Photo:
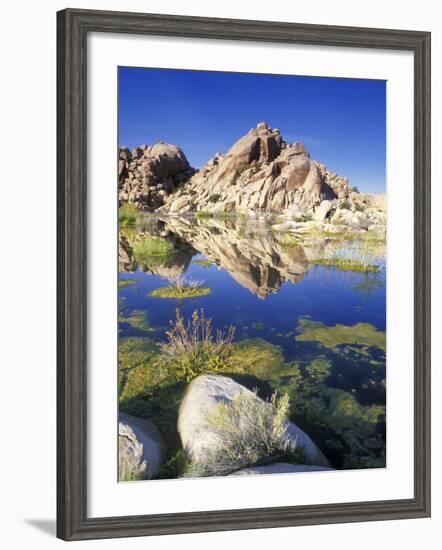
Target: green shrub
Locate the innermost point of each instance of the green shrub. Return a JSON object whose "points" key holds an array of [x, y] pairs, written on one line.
{"points": [[345, 205], [249, 432], [193, 348]]}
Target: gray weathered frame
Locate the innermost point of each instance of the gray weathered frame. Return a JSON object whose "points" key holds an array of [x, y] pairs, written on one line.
{"points": [[73, 27]]}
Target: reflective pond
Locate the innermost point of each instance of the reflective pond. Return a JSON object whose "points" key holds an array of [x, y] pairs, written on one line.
{"points": [[305, 312]]}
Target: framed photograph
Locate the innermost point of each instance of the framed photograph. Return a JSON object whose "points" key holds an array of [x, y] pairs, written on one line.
{"points": [[243, 274]]}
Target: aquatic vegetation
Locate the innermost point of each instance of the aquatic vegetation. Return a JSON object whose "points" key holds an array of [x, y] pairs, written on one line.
{"points": [[334, 375], [137, 366], [127, 215], [249, 432], [150, 247], [203, 263], [193, 348], [133, 351], [182, 287], [347, 264], [180, 293], [123, 283], [319, 369], [352, 435], [368, 284], [255, 356], [362, 334], [137, 319]]}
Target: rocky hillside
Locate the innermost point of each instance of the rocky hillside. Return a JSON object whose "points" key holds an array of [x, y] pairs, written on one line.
{"points": [[149, 174], [260, 173]]}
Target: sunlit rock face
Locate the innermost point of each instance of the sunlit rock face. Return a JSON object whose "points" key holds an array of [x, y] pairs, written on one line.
{"points": [[259, 173], [148, 174], [254, 258]]}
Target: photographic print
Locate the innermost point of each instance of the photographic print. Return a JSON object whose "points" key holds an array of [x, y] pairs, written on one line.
{"points": [[252, 271]]}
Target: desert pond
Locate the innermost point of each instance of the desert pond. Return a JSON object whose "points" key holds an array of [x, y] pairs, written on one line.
{"points": [[301, 313]]}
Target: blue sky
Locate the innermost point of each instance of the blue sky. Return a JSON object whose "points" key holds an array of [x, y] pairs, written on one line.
{"points": [[340, 121]]}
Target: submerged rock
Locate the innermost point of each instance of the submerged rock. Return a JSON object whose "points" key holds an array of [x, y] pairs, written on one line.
{"points": [[203, 394], [140, 448], [280, 468]]}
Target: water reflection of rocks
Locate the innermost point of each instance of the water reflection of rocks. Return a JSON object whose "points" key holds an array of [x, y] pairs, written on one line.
{"points": [[257, 258]]}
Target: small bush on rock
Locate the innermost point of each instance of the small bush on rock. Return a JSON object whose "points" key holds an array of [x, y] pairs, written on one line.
{"points": [[249, 432]]}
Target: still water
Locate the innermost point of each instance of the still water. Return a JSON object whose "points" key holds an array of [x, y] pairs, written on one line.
{"points": [[327, 322]]}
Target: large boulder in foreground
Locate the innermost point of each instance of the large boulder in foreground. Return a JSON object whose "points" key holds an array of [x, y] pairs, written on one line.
{"points": [[203, 394], [150, 173], [280, 468], [140, 448]]}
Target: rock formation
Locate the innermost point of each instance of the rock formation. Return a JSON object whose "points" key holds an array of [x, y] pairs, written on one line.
{"points": [[259, 173], [148, 174], [140, 448], [255, 259]]}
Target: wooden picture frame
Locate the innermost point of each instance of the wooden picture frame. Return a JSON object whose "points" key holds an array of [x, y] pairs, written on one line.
{"points": [[73, 27]]}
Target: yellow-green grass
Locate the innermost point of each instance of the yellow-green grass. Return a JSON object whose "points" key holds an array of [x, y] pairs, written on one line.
{"points": [[180, 293], [347, 264]]}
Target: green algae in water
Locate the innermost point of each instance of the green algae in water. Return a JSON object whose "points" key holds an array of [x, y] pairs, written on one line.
{"points": [[123, 283], [258, 326], [362, 334], [137, 319], [203, 263], [180, 293], [134, 351], [350, 434]]}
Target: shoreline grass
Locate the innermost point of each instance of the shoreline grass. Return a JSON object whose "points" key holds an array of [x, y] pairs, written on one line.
{"points": [[127, 215], [152, 247], [346, 264]]}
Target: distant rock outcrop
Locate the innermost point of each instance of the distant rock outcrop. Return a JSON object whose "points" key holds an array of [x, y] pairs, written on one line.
{"points": [[149, 174], [260, 173]]}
